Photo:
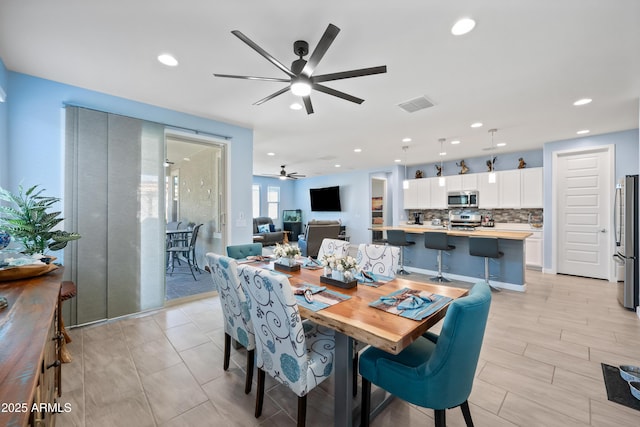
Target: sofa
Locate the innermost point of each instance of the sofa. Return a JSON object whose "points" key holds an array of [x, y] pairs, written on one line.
{"points": [[315, 231], [260, 234]]}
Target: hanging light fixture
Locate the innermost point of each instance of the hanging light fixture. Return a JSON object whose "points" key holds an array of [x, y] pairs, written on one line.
{"points": [[492, 172], [441, 180], [405, 183]]}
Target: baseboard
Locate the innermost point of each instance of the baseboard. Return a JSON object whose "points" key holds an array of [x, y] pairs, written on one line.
{"points": [[470, 279]]}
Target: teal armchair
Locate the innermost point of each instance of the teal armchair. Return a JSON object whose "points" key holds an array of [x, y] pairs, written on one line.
{"points": [[434, 371]]}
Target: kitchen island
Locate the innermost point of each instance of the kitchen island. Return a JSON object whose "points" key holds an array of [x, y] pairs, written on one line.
{"points": [[506, 272]]}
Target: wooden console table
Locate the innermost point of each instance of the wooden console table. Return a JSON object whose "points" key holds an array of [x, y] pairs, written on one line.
{"points": [[30, 368]]}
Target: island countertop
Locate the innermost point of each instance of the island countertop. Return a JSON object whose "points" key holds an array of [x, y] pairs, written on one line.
{"points": [[478, 232]]}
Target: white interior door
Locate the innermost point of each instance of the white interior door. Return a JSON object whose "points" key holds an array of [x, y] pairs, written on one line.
{"points": [[583, 189]]}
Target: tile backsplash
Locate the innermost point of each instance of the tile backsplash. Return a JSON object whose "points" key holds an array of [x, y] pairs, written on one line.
{"points": [[499, 215]]}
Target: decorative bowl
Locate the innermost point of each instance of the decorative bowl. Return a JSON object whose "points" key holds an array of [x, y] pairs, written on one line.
{"points": [[630, 373], [634, 386]]}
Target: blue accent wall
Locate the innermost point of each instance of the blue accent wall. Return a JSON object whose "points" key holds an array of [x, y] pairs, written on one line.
{"points": [[4, 129], [36, 134]]}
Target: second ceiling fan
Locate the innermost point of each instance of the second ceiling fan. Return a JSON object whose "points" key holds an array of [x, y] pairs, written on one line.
{"points": [[300, 76]]}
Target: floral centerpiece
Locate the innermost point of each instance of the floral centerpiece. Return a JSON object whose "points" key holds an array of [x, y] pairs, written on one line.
{"points": [[286, 253], [342, 268]]}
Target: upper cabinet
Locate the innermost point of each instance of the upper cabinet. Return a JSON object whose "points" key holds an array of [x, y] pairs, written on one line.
{"points": [[513, 189]]}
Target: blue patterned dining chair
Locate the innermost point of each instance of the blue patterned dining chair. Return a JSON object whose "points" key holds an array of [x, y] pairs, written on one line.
{"points": [[338, 248], [435, 371], [295, 353], [237, 322], [243, 251], [378, 259]]}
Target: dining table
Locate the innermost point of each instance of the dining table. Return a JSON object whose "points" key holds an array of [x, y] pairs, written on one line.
{"points": [[353, 319]]}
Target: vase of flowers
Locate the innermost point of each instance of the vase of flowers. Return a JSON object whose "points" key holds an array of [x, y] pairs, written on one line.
{"points": [[286, 254], [342, 268]]}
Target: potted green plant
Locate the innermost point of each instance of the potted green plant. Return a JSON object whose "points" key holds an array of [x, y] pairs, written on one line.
{"points": [[27, 219]]}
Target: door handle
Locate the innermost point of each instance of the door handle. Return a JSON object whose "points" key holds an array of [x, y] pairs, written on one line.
{"points": [[604, 230]]}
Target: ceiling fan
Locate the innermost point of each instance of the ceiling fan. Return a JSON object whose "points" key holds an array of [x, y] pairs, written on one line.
{"points": [[284, 175], [300, 76]]}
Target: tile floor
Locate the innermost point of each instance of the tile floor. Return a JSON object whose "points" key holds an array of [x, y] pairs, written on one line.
{"points": [[540, 366]]}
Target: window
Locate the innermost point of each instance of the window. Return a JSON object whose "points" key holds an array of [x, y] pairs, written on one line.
{"points": [[273, 202], [255, 200]]}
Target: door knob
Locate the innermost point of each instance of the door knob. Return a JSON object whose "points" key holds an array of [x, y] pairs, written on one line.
{"points": [[604, 230]]}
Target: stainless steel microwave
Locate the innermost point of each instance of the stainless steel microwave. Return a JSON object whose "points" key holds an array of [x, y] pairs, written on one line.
{"points": [[462, 199]]}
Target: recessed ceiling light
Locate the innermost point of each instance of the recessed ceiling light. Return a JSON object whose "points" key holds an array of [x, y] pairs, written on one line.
{"points": [[337, 166], [168, 60], [406, 139], [455, 141], [295, 106], [271, 154], [501, 144], [443, 153], [583, 101], [397, 160], [476, 125], [463, 26], [357, 150], [583, 131]]}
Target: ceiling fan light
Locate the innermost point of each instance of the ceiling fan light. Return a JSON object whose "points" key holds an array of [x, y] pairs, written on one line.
{"points": [[300, 88]]}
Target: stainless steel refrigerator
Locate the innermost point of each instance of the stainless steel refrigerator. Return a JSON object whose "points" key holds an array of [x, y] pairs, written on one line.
{"points": [[626, 231]]}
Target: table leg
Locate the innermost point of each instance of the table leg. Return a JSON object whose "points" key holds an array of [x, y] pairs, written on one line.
{"points": [[343, 386]]}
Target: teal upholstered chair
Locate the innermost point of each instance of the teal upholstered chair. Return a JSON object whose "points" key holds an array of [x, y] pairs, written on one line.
{"points": [[295, 353], [434, 371], [243, 251], [237, 322]]}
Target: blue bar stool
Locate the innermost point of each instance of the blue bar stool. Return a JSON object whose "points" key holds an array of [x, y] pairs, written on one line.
{"points": [[399, 238], [440, 242], [486, 247]]}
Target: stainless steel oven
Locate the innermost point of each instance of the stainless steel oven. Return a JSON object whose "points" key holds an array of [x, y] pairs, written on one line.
{"points": [[462, 199]]}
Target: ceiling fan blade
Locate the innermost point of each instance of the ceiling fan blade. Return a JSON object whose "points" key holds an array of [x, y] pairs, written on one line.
{"points": [[307, 104], [262, 52], [337, 93], [266, 79], [323, 45], [273, 95], [349, 74]]}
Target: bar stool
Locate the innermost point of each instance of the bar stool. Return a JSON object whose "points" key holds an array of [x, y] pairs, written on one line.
{"points": [[486, 247], [399, 238], [439, 241]]}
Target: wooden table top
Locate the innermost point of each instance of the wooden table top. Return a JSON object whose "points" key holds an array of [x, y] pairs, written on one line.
{"points": [[369, 325], [24, 327], [479, 232]]}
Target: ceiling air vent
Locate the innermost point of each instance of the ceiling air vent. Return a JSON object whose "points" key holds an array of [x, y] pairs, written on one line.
{"points": [[416, 104]]}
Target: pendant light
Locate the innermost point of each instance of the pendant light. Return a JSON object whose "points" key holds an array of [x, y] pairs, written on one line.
{"points": [[441, 180], [492, 173], [405, 183]]}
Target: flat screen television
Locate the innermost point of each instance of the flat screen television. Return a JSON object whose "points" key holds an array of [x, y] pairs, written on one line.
{"points": [[325, 199]]}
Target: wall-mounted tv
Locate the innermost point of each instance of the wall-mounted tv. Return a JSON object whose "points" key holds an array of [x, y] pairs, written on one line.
{"points": [[325, 199]]}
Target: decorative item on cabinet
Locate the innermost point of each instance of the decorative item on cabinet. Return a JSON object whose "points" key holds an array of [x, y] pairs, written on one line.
{"points": [[463, 167], [419, 174], [490, 164], [521, 163], [438, 170]]}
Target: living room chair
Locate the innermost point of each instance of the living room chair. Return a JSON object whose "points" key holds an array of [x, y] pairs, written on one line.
{"points": [[378, 259], [295, 353], [243, 251], [189, 252], [434, 371], [338, 248], [237, 322]]}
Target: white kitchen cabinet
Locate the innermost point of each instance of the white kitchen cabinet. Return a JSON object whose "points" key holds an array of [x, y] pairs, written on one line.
{"points": [[470, 181], [454, 182], [438, 194], [533, 249], [532, 185], [509, 184], [487, 192], [417, 196]]}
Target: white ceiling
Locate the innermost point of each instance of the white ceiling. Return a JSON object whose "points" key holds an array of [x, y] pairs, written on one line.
{"points": [[519, 71]]}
